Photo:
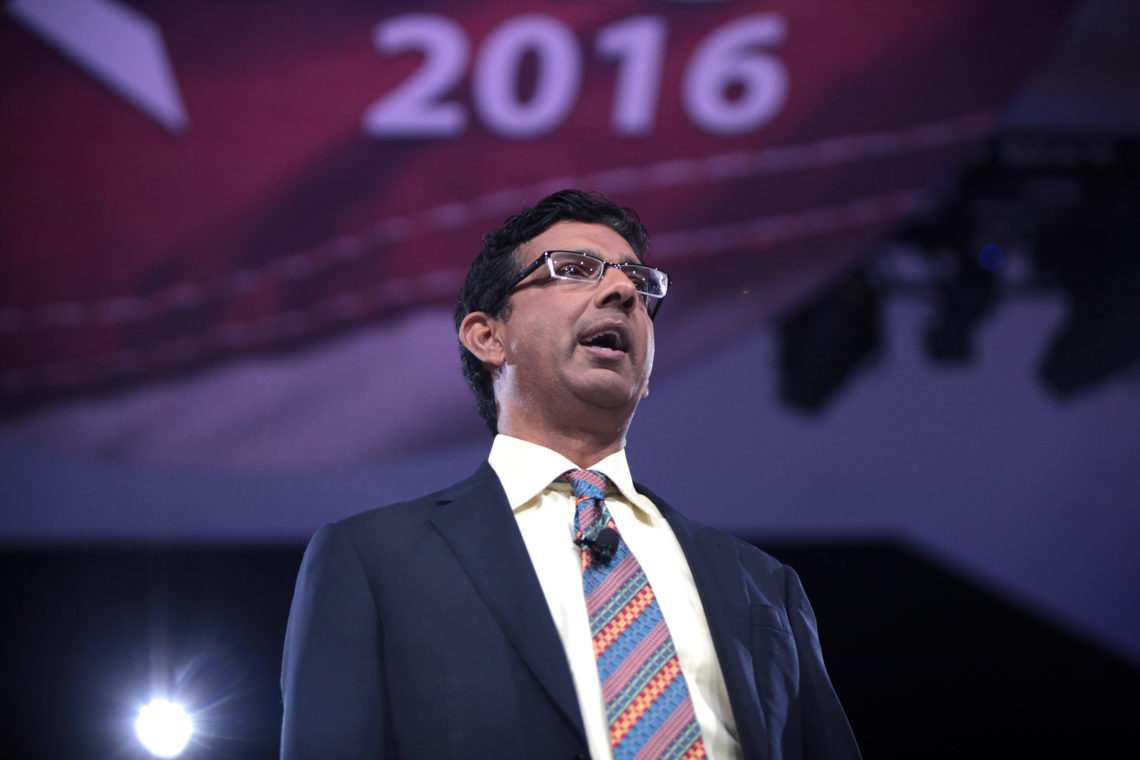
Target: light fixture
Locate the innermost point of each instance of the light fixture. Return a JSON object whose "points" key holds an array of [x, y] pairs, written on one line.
{"points": [[164, 728]]}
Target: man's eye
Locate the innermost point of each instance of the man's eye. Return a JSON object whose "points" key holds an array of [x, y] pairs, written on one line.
{"points": [[572, 270], [640, 281]]}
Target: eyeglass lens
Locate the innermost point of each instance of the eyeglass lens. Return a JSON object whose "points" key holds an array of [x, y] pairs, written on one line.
{"points": [[581, 266]]}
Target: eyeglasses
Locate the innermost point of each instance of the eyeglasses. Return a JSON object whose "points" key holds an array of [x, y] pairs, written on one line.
{"points": [[650, 283]]}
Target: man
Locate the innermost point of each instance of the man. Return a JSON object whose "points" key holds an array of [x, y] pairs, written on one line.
{"points": [[546, 607]]}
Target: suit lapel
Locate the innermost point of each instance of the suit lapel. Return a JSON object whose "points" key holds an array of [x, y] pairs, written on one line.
{"points": [[715, 563], [475, 520]]}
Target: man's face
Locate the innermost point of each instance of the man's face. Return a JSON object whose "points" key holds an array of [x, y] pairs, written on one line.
{"points": [[572, 348]]}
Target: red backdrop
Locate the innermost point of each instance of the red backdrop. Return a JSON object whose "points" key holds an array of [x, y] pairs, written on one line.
{"points": [[334, 164]]}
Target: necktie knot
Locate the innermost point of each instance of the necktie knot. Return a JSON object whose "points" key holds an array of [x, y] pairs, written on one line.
{"points": [[594, 531], [587, 484]]}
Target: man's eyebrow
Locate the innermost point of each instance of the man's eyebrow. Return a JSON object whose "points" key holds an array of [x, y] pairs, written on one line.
{"points": [[631, 259]]}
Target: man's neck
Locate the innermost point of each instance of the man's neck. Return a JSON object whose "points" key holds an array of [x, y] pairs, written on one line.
{"points": [[584, 447]]}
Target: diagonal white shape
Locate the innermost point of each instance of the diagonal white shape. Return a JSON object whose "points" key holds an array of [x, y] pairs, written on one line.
{"points": [[118, 46]]}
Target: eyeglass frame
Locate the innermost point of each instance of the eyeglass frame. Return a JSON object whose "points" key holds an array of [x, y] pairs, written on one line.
{"points": [[651, 306]]}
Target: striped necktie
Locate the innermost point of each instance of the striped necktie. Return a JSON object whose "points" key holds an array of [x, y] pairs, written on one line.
{"points": [[647, 702]]}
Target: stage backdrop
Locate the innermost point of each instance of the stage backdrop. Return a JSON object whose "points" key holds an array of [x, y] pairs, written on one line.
{"points": [[188, 184], [231, 235]]}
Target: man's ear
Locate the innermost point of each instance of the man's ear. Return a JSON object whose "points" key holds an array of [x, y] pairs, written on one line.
{"points": [[645, 391], [480, 334]]}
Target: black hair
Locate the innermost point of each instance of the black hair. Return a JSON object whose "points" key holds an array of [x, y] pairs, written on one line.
{"points": [[485, 288]]}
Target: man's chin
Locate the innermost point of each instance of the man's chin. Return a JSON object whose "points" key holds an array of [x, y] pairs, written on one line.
{"points": [[610, 390]]}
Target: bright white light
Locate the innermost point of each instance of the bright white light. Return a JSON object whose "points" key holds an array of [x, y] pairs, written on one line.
{"points": [[164, 728]]}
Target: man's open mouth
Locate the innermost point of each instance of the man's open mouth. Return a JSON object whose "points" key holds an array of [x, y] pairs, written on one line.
{"points": [[607, 339], [612, 339]]}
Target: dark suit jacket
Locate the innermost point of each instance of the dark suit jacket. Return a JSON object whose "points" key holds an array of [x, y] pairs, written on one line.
{"points": [[419, 630]]}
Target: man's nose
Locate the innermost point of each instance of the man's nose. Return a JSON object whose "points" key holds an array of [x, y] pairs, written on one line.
{"points": [[617, 287]]}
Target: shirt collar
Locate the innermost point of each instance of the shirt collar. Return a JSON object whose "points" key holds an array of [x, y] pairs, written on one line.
{"points": [[526, 469]]}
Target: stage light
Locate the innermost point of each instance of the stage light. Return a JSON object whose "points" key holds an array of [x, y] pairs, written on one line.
{"points": [[1100, 335], [823, 342], [964, 298], [164, 728]]}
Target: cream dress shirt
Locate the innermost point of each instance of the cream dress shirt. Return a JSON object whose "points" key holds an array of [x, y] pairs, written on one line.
{"points": [[545, 514]]}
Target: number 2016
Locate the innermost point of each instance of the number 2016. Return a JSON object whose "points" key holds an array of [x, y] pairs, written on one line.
{"points": [[730, 86]]}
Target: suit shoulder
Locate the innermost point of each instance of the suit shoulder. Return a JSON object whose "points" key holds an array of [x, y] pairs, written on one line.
{"points": [[756, 561], [406, 515], [387, 515], [750, 552], [753, 558]]}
